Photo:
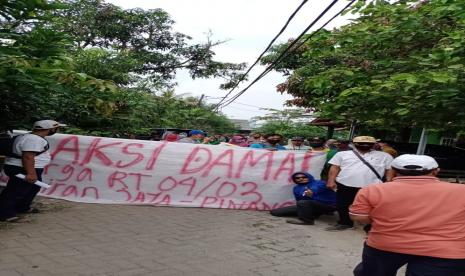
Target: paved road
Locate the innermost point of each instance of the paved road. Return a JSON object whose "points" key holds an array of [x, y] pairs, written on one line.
{"points": [[90, 239]]}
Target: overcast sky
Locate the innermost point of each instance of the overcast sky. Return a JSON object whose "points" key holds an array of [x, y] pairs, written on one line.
{"points": [[248, 26]]}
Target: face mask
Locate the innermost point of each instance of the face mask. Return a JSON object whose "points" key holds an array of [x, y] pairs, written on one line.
{"points": [[316, 145], [51, 132], [300, 183], [363, 147]]}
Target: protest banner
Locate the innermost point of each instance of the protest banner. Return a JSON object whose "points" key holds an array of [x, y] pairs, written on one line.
{"points": [[121, 171]]}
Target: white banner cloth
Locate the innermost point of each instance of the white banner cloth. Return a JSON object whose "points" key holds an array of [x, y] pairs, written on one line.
{"points": [[121, 171]]}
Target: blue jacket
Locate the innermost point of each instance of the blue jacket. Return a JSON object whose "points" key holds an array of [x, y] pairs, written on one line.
{"points": [[320, 192]]}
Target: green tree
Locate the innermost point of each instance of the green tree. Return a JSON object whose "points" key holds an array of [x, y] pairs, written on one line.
{"points": [[292, 130], [399, 64], [36, 74], [137, 44], [291, 123], [47, 72], [139, 112]]}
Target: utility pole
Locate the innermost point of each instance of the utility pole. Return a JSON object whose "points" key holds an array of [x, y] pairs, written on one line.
{"points": [[352, 130], [423, 141]]}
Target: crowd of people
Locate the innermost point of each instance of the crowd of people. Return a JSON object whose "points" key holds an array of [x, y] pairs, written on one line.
{"points": [[272, 142], [410, 216]]}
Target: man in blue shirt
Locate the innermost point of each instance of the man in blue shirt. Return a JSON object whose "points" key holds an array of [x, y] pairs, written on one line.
{"points": [[272, 143]]}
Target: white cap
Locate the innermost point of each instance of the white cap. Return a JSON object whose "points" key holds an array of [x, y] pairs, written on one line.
{"points": [[423, 162], [47, 124]]}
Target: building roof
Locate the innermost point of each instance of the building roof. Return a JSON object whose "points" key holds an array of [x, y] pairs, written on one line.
{"points": [[326, 122], [241, 124]]}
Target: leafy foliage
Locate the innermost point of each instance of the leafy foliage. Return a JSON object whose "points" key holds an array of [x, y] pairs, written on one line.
{"points": [[289, 130], [36, 75], [95, 67], [137, 42], [291, 123], [398, 64]]}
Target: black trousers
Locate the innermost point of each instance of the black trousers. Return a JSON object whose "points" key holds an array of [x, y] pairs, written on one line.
{"points": [[384, 263], [306, 210], [345, 197], [18, 194], [288, 211]]}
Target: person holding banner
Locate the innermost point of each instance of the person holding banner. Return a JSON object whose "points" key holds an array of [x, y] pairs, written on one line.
{"points": [[237, 140], [195, 136], [32, 156], [171, 137], [317, 144], [313, 199], [272, 143], [297, 144], [255, 138]]}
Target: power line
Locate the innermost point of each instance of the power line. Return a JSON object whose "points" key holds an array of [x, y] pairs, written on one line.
{"points": [[249, 110], [288, 48], [286, 51], [256, 106], [263, 53], [261, 107]]}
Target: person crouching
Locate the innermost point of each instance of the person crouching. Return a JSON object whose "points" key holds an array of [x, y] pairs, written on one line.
{"points": [[313, 199]]}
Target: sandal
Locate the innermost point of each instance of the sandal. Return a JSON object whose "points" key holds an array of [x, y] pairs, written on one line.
{"points": [[10, 219]]}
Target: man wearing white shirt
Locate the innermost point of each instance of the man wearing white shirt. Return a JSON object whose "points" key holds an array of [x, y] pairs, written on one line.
{"points": [[348, 174], [31, 156]]}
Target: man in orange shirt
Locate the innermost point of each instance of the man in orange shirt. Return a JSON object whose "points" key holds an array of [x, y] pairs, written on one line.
{"points": [[416, 220]]}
